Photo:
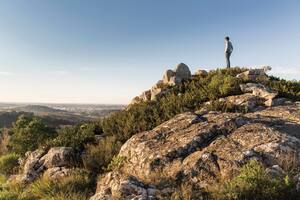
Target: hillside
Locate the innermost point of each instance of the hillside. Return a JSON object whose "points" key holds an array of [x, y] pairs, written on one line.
{"points": [[223, 134], [55, 115]]}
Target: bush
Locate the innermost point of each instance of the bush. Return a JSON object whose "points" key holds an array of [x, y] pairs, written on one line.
{"points": [[9, 164], [116, 163], [254, 183], [28, 133], [76, 186], [225, 106], [8, 195], [287, 89], [97, 157], [75, 136], [4, 140]]}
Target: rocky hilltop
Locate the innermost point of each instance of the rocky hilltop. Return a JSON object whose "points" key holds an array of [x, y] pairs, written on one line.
{"points": [[220, 134], [201, 148]]}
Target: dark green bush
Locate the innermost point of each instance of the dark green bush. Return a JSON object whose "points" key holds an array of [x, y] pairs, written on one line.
{"points": [[287, 89], [254, 183], [98, 156], [9, 163], [28, 133], [75, 136]]}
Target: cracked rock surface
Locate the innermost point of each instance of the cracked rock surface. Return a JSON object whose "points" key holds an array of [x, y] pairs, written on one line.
{"points": [[202, 149]]}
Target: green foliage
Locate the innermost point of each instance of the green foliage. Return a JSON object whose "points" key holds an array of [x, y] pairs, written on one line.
{"points": [[116, 163], [254, 183], [225, 106], [98, 156], [75, 136], [28, 133], [8, 195], [287, 89], [222, 85], [4, 140], [9, 163], [76, 186]]}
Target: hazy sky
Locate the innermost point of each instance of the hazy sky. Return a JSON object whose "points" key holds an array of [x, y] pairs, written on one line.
{"points": [[108, 51]]}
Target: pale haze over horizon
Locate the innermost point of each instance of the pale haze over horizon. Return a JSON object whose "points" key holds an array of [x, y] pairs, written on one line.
{"points": [[108, 51]]}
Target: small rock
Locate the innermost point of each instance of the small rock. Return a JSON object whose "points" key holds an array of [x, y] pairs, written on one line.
{"points": [[202, 73]]}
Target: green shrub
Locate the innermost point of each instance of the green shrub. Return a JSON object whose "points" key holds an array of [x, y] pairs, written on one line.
{"points": [[8, 195], [116, 163], [225, 106], [4, 140], [222, 85], [75, 136], [254, 183], [287, 89], [97, 157], [9, 164], [77, 186], [28, 133]]}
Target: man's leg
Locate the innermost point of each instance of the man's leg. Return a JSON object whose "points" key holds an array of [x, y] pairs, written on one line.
{"points": [[228, 59]]}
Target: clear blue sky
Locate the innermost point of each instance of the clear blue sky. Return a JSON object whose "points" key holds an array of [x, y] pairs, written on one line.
{"points": [[108, 51]]}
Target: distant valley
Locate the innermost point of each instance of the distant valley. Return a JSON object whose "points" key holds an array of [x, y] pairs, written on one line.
{"points": [[55, 114]]}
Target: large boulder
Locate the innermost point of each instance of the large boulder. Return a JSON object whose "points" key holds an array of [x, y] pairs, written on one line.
{"points": [[182, 71], [176, 76], [58, 157], [202, 148], [55, 161], [33, 166]]}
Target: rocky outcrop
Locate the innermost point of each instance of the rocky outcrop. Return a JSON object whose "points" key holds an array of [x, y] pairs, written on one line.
{"points": [[255, 74], [170, 78], [260, 91], [247, 101], [55, 162], [201, 148]]}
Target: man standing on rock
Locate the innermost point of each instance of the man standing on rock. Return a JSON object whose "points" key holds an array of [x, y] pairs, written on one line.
{"points": [[228, 50]]}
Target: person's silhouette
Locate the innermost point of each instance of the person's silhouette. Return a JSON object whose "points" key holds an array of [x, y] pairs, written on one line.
{"points": [[228, 50]]}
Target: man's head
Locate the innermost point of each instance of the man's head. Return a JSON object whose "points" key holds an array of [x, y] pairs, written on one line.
{"points": [[227, 38]]}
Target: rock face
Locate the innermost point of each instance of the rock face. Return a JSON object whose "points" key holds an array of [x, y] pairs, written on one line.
{"points": [[201, 148], [54, 162], [255, 74], [249, 101], [170, 78], [261, 91]]}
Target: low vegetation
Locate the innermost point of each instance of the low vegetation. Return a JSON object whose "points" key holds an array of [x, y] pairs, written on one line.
{"points": [[77, 186], [9, 164], [254, 183]]}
